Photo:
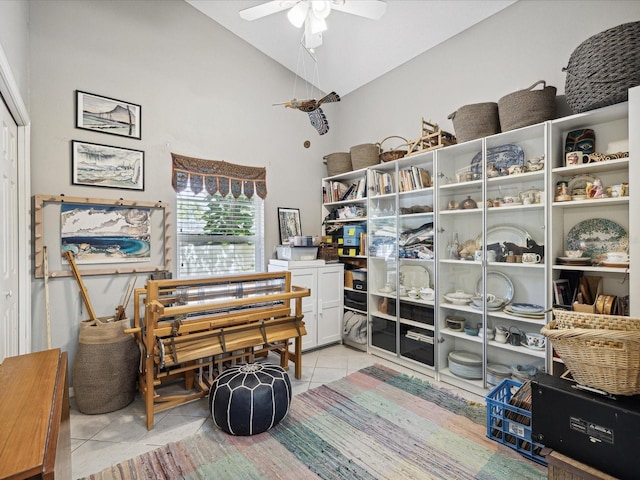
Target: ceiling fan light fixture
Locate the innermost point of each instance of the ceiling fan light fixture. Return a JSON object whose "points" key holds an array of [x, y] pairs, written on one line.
{"points": [[321, 8], [298, 13], [316, 25]]}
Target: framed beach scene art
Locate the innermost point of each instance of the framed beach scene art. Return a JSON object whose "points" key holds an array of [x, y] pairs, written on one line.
{"points": [[108, 115], [105, 234], [104, 166]]}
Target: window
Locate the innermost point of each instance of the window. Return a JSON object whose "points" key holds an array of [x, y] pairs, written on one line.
{"points": [[219, 235]]}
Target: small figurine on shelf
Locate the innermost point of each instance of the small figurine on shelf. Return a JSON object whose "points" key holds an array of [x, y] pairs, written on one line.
{"points": [[595, 189]]}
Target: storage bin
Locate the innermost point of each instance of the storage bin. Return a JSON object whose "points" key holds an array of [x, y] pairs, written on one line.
{"points": [[417, 344], [509, 424], [286, 252], [353, 235]]}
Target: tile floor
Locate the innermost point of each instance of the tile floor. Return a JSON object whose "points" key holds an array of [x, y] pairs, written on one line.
{"points": [[98, 441]]}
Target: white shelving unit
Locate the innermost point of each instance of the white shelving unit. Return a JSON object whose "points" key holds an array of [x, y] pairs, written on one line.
{"points": [[465, 173], [354, 213]]}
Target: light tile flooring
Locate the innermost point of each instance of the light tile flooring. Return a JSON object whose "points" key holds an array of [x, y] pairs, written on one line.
{"points": [[98, 441]]}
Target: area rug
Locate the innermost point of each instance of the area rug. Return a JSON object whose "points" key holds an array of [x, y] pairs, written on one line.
{"points": [[373, 424]]}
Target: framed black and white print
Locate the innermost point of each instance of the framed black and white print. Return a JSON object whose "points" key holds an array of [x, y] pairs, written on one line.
{"points": [[105, 166], [108, 115], [289, 220], [562, 292]]}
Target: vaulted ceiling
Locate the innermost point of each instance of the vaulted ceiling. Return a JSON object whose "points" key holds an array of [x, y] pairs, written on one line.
{"points": [[355, 50]]}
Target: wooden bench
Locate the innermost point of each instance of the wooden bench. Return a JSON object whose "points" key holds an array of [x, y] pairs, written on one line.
{"points": [[189, 330]]}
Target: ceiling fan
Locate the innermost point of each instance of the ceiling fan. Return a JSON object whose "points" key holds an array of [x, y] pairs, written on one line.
{"points": [[313, 13]]}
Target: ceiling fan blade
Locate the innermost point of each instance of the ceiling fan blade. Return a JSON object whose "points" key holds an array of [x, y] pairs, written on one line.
{"points": [[373, 9], [267, 8]]}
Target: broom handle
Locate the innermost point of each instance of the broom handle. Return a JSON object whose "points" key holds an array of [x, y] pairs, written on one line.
{"points": [[83, 289], [47, 310]]}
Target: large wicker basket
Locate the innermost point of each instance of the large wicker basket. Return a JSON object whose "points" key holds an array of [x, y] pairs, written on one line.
{"points": [[600, 351], [603, 68], [365, 155], [338, 163], [527, 107], [475, 121], [395, 153]]}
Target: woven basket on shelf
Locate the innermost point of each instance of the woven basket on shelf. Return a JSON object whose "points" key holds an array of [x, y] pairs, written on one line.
{"points": [[600, 351], [603, 68], [364, 155], [394, 154], [338, 163], [527, 107], [475, 121]]}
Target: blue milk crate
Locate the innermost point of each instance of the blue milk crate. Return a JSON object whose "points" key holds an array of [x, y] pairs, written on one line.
{"points": [[511, 425]]}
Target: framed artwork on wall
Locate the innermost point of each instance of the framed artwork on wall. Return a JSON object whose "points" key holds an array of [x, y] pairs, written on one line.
{"points": [[108, 115], [289, 219], [98, 165]]}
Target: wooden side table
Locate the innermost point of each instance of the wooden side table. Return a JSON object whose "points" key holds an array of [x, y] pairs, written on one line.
{"points": [[35, 434]]}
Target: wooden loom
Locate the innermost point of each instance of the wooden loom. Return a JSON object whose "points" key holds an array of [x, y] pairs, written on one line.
{"points": [[192, 328]]}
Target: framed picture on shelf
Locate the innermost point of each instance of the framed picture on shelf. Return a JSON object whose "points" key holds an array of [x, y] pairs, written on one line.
{"points": [[108, 115], [98, 165], [289, 220], [562, 292]]}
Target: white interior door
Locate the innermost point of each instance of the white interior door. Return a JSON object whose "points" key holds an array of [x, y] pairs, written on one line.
{"points": [[9, 277]]}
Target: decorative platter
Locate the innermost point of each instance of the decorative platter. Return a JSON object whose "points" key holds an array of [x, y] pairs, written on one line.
{"points": [[579, 181], [536, 316], [498, 284], [597, 236], [506, 233], [503, 156], [414, 276]]}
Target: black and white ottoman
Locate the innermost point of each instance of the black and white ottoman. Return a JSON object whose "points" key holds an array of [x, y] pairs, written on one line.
{"points": [[250, 398]]}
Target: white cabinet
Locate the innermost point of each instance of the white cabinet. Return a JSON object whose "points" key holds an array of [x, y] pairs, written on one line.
{"points": [[401, 260], [488, 215], [322, 310]]}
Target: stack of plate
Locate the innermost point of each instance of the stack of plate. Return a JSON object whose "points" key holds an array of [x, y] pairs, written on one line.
{"points": [[580, 261], [528, 310], [465, 364], [497, 372]]}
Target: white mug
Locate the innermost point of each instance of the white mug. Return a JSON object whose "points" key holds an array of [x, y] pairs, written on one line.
{"points": [[491, 255], [531, 257]]}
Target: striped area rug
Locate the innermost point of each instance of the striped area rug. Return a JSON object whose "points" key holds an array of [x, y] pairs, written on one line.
{"points": [[372, 424]]}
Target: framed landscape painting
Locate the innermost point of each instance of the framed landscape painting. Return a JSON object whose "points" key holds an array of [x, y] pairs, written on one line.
{"points": [[104, 166], [108, 115]]}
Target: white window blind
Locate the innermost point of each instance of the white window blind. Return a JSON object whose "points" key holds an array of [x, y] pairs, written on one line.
{"points": [[218, 236]]}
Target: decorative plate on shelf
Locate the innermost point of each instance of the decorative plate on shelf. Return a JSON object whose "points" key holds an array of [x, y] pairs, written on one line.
{"points": [[414, 276], [580, 181], [597, 236], [498, 284], [505, 233], [502, 156]]}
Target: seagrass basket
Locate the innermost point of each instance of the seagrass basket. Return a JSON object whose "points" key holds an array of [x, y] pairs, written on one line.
{"points": [[365, 155], [527, 107], [603, 68], [393, 154], [600, 351], [475, 121], [338, 163]]}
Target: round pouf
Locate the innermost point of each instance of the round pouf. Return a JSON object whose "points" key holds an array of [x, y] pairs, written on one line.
{"points": [[250, 399]]}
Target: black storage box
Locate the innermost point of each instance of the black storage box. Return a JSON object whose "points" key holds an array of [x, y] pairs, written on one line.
{"points": [[355, 300], [410, 311], [416, 344], [598, 430]]}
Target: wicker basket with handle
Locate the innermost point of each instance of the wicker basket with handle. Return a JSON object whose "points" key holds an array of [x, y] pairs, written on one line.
{"points": [[394, 154], [600, 351], [475, 121], [527, 107]]}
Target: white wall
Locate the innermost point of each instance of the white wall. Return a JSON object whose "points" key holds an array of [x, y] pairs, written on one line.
{"points": [[14, 39], [528, 41], [206, 93]]}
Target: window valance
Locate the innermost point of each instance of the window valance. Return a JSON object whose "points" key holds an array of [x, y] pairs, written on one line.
{"points": [[217, 176]]}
